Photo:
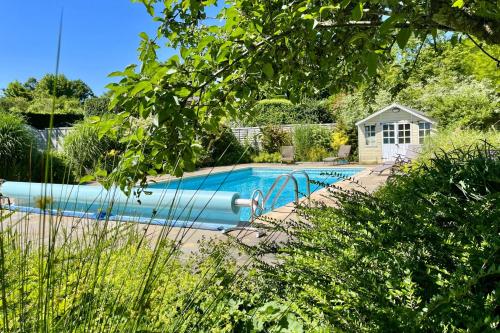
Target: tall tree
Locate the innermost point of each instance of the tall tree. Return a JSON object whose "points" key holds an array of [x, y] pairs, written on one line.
{"points": [[17, 89], [36, 96], [60, 85], [301, 47]]}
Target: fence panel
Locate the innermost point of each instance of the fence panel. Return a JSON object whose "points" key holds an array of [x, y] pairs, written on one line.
{"points": [[248, 135], [251, 135], [57, 137]]}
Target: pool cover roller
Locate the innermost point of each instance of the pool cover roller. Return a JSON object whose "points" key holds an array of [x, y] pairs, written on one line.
{"points": [[170, 205]]}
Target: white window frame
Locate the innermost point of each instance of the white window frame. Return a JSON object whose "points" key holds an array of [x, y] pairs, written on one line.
{"points": [[404, 135], [370, 135], [424, 130], [387, 130]]}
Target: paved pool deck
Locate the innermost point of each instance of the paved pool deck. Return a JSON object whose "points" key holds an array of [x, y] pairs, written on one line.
{"points": [[187, 239]]}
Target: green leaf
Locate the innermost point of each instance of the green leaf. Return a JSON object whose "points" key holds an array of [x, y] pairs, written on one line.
{"points": [[115, 74], [143, 86], [237, 32], [357, 12], [152, 172], [258, 27], [330, 7], [371, 59], [458, 3], [182, 92], [101, 173], [268, 70], [388, 24], [358, 35], [86, 179], [185, 52], [204, 42], [144, 36], [150, 9], [403, 37]]}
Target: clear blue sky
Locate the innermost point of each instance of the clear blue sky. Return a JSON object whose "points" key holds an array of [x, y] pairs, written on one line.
{"points": [[99, 37]]}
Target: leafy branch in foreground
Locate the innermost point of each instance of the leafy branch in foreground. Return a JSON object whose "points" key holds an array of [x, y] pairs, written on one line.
{"points": [[299, 48]]}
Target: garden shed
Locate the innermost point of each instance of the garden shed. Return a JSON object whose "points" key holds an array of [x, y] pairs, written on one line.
{"points": [[387, 133]]}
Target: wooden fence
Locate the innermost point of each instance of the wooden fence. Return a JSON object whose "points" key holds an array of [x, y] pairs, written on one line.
{"points": [[250, 135], [57, 137]]}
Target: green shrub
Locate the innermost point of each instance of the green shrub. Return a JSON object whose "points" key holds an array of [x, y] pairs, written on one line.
{"points": [[63, 105], [96, 106], [14, 104], [264, 157], [455, 102], [271, 114], [421, 254], [280, 111], [60, 169], [317, 154], [86, 152], [450, 139], [306, 137], [273, 137], [18, 147], [111, 280], [223, 149], [338, 138], [312, 111], [20, 158]]}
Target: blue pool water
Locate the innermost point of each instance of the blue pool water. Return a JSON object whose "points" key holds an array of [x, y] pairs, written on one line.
{"points": [[245, 181]]}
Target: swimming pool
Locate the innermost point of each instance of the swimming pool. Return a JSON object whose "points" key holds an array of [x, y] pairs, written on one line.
{"points": [[245, 181], [211, 201]]}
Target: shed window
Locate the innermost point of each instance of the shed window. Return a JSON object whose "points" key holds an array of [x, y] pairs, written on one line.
{"points": [[370, 135], [388, 133], [404, 135], [424, 130]]}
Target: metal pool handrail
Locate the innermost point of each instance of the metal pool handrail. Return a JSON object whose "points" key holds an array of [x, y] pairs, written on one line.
{"points": [[254, 204], [308, 182], [288, 176]]}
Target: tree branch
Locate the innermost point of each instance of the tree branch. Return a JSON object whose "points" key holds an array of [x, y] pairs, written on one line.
{"points": [[484, 51], [376, 24], [457, 19]]}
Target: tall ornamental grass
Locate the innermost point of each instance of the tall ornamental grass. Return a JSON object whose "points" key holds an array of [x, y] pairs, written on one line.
{"points": [[17, 147], [86, 150], [307, 137], [99, 276]]}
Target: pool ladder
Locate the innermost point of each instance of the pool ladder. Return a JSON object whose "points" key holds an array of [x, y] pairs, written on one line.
{"points": [[258, 201]]}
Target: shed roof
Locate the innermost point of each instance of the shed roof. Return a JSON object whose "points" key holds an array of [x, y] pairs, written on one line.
{"points": [[411, 111]]}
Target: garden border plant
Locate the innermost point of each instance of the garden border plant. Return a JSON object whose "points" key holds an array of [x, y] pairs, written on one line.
{"points": [[420, 254]]}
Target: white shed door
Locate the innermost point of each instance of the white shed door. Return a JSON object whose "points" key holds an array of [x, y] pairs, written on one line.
{"points": [[395, 140]]}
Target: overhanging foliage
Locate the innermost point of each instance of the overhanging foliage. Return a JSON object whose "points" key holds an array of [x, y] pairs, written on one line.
{"points": [[301, 48]]}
